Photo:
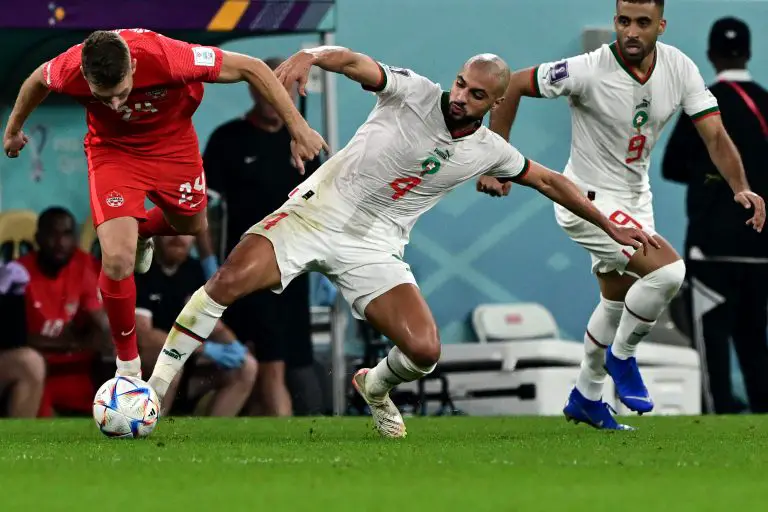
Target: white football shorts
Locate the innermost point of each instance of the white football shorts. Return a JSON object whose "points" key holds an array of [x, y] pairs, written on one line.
{"points": [[606, 254], [362, 268]]}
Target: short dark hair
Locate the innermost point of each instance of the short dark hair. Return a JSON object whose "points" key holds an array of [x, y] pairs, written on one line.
{"points": [[105, 59], [46, 219]]}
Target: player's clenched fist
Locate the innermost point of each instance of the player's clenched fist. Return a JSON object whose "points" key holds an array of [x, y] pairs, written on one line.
{"points": [[493, 187], [13, 143]]}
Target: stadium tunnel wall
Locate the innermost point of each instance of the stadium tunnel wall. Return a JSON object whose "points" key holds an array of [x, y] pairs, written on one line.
{"points": [[470, 249]]}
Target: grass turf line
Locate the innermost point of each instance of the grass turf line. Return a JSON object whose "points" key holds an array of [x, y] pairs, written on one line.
{"points": [[472, 464]]}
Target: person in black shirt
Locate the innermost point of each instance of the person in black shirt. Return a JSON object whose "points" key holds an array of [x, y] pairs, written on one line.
{"points": [[727, 260], [160, 294], [248, 161]]}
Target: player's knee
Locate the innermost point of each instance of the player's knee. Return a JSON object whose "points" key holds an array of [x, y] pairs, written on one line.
{"points": [[227, 285], [425, 347], [119, 264], [669, 278], [30, 366]]}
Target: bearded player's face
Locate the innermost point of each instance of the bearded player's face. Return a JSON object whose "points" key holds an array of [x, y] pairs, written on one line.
{"points": [[472, 95], [115, 97], [638, 26]]}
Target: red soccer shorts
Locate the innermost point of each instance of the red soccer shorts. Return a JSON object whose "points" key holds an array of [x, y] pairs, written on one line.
{"points": [[68, 385], [119, 183]]}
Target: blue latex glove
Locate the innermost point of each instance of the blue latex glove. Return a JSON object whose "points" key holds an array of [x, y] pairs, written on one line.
{"points": [[228, 355], [210, 265]]}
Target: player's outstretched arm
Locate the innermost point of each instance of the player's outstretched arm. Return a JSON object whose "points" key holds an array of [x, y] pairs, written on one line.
{"points": [[563, 191], [337, 59], [236, 67], [503, 116], [727, 159], [33, 91]]}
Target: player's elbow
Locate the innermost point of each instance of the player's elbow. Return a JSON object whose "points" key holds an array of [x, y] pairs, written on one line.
{"points": [[538, 178], [254, 67]]}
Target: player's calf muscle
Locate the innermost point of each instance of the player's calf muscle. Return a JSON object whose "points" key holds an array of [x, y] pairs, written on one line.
{"points": [[403, 316]]}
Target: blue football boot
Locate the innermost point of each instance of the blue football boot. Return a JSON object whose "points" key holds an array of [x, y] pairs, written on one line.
{"points": [[596, 413], [629, 384]]}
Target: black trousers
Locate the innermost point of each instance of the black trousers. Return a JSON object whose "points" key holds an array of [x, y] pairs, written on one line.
{"points": [[729, 302]]}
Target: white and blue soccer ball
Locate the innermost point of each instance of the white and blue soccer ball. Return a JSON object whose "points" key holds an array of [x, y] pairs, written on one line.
{"points": [[126, 407]]}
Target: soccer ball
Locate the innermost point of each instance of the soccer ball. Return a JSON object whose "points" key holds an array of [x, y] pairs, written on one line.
{"points": [[126, 407]]}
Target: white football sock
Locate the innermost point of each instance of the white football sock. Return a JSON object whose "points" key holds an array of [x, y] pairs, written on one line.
{"points": [[601, 330], [129, 368], [394, 369], [644, 303], [193, 326]]}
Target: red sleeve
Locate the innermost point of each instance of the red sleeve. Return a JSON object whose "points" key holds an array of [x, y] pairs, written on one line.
{"points": [[89, 293], [62, 73], [191, 62]]}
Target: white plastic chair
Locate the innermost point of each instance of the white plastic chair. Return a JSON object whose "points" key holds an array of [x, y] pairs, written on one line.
{"points": [[513, 322]]}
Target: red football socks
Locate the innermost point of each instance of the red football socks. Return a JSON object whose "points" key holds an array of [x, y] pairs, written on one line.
{"points": [[119, 299], [155, 225]]}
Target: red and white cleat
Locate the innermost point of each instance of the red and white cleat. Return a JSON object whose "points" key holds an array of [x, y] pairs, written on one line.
{"points": [[386, 416]]}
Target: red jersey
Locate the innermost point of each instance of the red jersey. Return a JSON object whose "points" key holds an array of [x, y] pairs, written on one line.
{"points": [[52, 303], [156, 120]]}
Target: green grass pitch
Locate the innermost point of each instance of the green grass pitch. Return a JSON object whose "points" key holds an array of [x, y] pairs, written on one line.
{"points": [[464, 464]]}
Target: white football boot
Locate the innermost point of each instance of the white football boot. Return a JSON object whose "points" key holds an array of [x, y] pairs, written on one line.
{"points": [[385, 414], [145, 249]]}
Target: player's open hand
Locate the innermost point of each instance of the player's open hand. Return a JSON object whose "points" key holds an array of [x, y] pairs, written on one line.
{"points": [[634, 237], [295, 70], [493, 186], [749, 199], [306, 145], [13, 143]]}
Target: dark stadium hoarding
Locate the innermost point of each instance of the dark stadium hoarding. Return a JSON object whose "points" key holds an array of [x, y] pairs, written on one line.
{"points": [[38, 30], [259, 16]]}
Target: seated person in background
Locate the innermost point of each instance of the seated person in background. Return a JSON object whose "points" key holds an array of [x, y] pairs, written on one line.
{"points": [[66, 322], [22, 369], [161, 293]]}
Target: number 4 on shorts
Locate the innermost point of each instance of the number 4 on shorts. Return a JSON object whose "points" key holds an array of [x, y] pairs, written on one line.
{"points": [[274, 219]]}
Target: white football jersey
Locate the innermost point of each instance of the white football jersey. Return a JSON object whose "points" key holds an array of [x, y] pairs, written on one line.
{"points": [[616, 116], [402, 161]]}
